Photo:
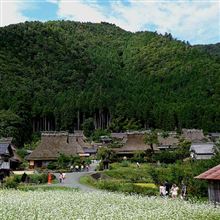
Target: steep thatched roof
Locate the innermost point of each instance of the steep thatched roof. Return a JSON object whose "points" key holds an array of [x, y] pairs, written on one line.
{"points": [[135, 142], [53, 144], [193, 135], [171, 140]]}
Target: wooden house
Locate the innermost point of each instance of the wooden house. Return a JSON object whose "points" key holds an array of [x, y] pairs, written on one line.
{"points": [[213, 178], [202, 151], [6, 153], [134, 142], [10, 153]]}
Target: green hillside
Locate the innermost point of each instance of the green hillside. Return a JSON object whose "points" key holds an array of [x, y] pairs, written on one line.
{"points": [[54, 75]]}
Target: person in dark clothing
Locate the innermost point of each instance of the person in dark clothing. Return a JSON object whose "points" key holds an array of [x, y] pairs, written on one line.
{"points": [[183, 190], [24, 177], [167, 187]]}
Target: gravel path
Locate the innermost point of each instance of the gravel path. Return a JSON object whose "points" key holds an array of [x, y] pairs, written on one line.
{"points": [[72, 180]]}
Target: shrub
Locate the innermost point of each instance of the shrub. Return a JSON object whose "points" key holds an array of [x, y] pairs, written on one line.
{"points": [[125, 163], [52, 165], [10, 182], [38, 178]]}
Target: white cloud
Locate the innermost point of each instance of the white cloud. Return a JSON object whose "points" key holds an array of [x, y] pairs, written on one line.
{"points": [[11, 12], [52, 1], [189, 20], [79, 10]]}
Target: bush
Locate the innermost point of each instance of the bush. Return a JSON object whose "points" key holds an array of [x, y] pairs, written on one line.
{"points": [[38, 178], [52, 165], [125, 163], [10, 182]]}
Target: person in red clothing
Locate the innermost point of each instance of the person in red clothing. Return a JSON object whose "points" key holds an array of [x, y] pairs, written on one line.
{"points": [[49, 178]]}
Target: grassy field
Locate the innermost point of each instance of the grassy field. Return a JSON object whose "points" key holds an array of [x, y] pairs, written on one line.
{"points": [[63, 204]]}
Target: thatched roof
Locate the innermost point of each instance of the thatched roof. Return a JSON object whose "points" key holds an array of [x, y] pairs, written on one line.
{"points": [[135, 142], [171, 140], [53, 144], [193, 135]]}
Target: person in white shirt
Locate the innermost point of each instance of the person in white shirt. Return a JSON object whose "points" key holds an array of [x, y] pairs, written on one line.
{"points": [[174, 191]]}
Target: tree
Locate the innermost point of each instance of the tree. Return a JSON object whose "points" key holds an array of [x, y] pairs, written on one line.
{"points": [[151, 138], [88, 127], [10, 124]]}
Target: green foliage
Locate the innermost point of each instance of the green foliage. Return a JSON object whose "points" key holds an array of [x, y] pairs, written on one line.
{"points": [[65, 162], [22, 152], [88, 127], [98, 133], [105, 153], [97, 72], [38, 178], [125, 163], [10, 124], [52, 165], [120, 124], [139, 156], [151, 139], [10, 182]]}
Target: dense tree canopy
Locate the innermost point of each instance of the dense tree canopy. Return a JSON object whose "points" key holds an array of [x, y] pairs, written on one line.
{"points": [[54, 75]]}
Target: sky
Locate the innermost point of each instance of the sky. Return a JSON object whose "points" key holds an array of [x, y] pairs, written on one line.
{"points": [[196, 21]]}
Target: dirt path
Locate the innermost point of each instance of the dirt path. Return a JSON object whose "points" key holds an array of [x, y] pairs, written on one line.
{"points": [[72, 180]]}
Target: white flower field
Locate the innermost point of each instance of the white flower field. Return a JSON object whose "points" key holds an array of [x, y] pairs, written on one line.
{"points": [[59, 205]]}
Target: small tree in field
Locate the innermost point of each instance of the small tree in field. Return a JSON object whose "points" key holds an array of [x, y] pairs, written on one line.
{"points": [[151, 139]]}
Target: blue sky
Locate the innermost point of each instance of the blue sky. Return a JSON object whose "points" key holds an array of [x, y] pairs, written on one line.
{"points": [[196, 21]]}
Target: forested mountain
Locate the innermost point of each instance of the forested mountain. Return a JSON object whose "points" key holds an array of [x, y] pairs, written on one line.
{"points": [[54, 75], [212, 49]]}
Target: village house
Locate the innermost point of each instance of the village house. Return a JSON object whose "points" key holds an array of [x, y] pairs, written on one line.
{"points": [[214, 136], [134, 142], [194, 135], [8, 157], [168, 143], [53, 144], [213, 177], [202, 151]]}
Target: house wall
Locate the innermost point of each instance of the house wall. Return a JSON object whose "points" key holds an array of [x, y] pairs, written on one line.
{"points": [[214, 191], [202, 157]]}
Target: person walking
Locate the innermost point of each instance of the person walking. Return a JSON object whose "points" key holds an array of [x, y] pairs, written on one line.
{"points": [[162, 189], [183, 191], [174, 191], [167, 188], [60, 177], [63, 177]]}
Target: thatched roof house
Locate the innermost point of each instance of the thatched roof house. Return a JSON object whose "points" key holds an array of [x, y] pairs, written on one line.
{"points": [[134, 142], [193, 135], [53, 144], [168, 143]]}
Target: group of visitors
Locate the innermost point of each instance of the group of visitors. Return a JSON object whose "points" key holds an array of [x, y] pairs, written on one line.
{"points": [[81, 168], [167, 190], [62, 177]]}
